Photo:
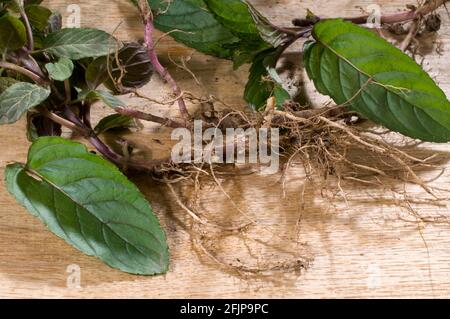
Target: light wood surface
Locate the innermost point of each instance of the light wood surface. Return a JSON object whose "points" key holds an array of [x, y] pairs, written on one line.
{"points": [[364, 249]]}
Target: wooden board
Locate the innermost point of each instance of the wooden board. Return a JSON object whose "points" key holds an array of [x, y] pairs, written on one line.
{"points": [[363, 250]]}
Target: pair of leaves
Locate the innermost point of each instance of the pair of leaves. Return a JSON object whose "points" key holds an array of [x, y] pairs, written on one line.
{"points": [[92, 205], [357, 68]]}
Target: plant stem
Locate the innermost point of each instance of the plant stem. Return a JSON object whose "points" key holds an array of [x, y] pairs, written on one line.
{"points": [[147, 17], [62, 121], [149, 117], [14, 67], [68, 91], [387, 19], [26, 21], [75, 124]]}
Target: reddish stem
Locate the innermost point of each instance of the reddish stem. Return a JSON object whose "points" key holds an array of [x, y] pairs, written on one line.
{"points": [[147, 17], [386, 19]]}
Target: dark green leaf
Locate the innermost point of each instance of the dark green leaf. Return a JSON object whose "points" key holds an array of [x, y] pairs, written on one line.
{"points": [[75, 44], [280, 94], [114, 121], [197, 27], [235, 16], [19, 98], [13, 35], [264, 81], [357, 68], [39, 16], [61, 70], [90, 204], [97, 72]]}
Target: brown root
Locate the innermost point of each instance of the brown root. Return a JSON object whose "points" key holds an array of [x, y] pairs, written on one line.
{"points": [[335, 153]]}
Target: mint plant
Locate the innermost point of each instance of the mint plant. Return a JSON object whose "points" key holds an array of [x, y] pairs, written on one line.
{"points": [[53, 76]]}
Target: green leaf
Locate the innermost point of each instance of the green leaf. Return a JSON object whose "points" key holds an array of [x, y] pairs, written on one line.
{"points": [[197, 26], [264, 81], [114, 121], [61, 70], [76, 44], [267, 31], [104, 96], [90, 204], [281, 95], [39, 16], [13, 35], [357, 68], [235, 16], [204, 26], [19, 98]]}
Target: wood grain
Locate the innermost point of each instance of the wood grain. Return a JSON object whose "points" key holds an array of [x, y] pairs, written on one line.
{"points": [[360, 250]]}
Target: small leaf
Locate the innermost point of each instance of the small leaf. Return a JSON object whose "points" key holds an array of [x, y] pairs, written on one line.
{"points": [[357, 68], [39, 16], [106, 97], [19, 98], [264, 81], [89, 203], [61, 70], [97, 73], [114, 121], [281, 95], [12, 33], [79, 43]]}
